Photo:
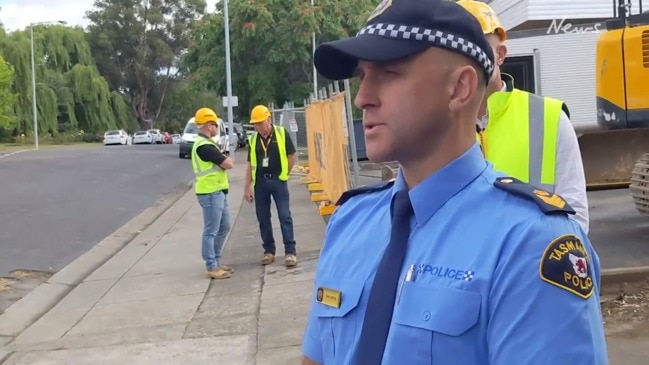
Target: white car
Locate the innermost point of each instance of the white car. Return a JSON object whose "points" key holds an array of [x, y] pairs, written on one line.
{"points": [[142, 137], [116, 137], [175, 138], [158, 138]]}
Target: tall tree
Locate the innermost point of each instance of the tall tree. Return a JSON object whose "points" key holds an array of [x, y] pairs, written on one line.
{"points": [[71, 94], [7, 97], [271, 46], [183, 101], [137, 45]]}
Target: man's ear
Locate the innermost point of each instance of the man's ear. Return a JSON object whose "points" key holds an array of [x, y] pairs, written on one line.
{"points": [[464, 82], [501, 54]]}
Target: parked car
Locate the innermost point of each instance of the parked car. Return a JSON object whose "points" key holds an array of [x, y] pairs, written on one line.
{"points": [[250, 130], [157, 136], [141, 137], [116, 137], [175, 138], [243, 139], [191, 132], [236, 137]]}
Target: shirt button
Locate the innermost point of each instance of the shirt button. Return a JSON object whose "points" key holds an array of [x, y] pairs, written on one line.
{"points": [[426, 315]]}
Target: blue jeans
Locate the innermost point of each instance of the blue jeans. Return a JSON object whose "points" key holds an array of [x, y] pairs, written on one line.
{"points": [[265, 188], [216, 225]]}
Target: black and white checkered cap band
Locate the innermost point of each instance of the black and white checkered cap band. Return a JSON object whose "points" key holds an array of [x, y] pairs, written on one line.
{"points": [[436, 37]]}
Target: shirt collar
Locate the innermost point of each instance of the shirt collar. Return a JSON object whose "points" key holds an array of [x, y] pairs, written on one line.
{"points": [[432, 193], [203, 135]]}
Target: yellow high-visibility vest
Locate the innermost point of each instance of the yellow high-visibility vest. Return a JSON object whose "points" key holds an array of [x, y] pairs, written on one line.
{"points": [[521, 136], [209, 177], [280, 137]]}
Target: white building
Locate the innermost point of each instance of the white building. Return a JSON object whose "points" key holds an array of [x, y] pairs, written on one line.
{"points": [[552, 46]]}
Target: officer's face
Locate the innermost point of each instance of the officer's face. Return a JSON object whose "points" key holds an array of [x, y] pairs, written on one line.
{"points": [[408, 104]]}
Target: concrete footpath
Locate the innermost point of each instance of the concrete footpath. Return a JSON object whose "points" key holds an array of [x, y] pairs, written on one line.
{"points": [[152, 303]]}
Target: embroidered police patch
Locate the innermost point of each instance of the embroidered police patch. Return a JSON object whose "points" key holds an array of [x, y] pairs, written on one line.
{"points": [[566, 264]]}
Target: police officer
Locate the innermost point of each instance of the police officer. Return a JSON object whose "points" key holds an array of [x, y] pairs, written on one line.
{"points": [[451, 263], [533, 140], [271, 157], [211, 187]]}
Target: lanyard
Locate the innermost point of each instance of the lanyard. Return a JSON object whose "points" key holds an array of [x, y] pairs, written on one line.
{"points": [[264, 146]]}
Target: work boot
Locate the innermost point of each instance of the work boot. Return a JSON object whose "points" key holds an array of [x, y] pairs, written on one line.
{"points": [[226, 268], [290, 260], [268, 259], [219, 273]]}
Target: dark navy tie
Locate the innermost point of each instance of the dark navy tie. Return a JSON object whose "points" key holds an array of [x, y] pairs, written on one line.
{"points": [[378, 314]]}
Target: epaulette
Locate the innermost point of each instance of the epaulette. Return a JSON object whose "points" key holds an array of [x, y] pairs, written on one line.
{"points": [[364, 190], [548, 202]]}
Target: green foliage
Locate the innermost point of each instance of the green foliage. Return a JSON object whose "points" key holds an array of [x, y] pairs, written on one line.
{"points": [[71, 94], [136, 44], [183, 103], [271, 47], [7, 97], [153, 63]]}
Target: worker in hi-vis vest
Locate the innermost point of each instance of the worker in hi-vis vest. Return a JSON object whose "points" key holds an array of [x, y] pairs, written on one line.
{"points": [[211, 187], [271, 157], [528, 136]]}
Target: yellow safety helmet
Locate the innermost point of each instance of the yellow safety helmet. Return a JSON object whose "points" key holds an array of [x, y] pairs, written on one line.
{"points": [[259, 114], [486, 17], [205, 115]]}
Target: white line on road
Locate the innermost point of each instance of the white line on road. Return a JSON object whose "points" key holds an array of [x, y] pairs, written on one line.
{"points": [[12, 153]]}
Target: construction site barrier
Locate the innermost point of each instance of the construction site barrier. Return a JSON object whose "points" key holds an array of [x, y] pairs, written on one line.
{"points": [[327, 142]]}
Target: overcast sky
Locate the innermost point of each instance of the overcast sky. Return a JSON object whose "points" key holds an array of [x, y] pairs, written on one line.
{"points": [[17, 14]]}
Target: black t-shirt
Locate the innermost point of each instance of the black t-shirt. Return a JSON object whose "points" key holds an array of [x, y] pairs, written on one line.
{"points": [[209, 152], [274, 162]]}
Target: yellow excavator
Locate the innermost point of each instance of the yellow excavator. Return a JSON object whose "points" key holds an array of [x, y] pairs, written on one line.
{"points": [[620, 153]]}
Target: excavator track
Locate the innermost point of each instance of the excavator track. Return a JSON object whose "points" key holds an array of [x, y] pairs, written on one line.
{"points": [[640, 184]]}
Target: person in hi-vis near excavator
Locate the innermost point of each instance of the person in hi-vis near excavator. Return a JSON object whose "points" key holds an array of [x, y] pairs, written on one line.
{"points": [[528, 136]]}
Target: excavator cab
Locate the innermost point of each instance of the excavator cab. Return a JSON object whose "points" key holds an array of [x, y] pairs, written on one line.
{"points": [[621, 152], [622, 69]]}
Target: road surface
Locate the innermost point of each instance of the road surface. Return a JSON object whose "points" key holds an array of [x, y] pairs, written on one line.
{"points": [[58, 203]]}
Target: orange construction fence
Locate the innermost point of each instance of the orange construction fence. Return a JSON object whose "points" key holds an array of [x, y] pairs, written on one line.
{"points": [[328, 169]]}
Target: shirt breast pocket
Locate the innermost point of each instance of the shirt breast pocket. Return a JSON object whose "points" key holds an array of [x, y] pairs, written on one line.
{"points": [[339, 326], [430, 325]]}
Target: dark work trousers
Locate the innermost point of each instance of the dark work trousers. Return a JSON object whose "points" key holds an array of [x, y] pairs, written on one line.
{"points": [[268, 185]]}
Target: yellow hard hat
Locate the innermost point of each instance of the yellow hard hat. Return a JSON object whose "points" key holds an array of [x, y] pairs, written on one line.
{"points": [[259, 114], [205, 115], [486, 16]]}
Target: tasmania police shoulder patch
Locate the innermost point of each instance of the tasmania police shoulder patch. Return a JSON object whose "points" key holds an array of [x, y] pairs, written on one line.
{"points": [[364, 190], [566, 264], [548, 202]]}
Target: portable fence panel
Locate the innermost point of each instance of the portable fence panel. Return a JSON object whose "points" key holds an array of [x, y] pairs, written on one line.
{"points": [[314, 142], [327, 146], [337, 145]]}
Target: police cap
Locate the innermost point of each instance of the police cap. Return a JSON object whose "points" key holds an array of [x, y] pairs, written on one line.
{"points": [[401, 28]]}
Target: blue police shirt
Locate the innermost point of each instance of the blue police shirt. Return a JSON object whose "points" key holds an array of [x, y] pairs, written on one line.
{"points": [[502, 276]]}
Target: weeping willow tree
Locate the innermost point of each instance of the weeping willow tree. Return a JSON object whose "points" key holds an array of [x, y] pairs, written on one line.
{"points": [[71, 94], [7, 97]]}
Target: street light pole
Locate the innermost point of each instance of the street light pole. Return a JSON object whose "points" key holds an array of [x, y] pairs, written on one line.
{"points": [[228, 81], [31, 37], [34, 103]]}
